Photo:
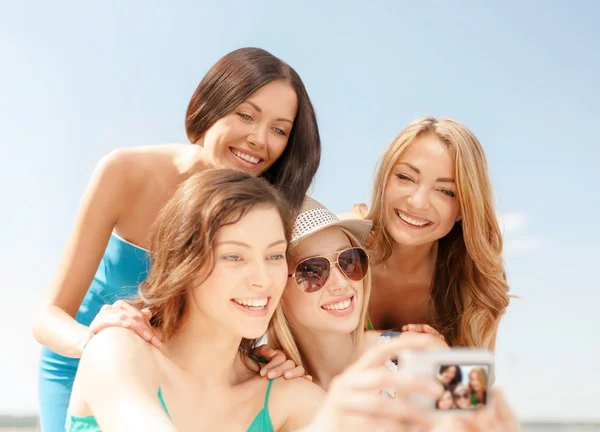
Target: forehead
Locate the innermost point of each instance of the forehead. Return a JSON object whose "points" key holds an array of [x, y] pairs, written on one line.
{"points": [[324, 242], [277, 98], [428, 152], [261, 225]]}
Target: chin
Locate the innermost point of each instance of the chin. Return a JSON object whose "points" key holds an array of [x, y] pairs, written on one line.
{"points": [[253, 331]]}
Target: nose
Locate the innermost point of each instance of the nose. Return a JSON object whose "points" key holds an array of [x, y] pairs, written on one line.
{"points": [[259, 275], [258, 137], [419, 199], [337, 284]]}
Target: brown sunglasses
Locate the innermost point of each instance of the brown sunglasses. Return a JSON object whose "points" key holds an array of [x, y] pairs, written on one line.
{"points": [[311, 274]]}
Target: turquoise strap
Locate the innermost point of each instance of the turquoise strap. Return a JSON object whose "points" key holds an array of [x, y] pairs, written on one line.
{"points": [[162, 401], [267, 395]]}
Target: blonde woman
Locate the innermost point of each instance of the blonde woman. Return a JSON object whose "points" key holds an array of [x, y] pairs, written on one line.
{"points": [[478, 380], [436, 245], [320, 322]]}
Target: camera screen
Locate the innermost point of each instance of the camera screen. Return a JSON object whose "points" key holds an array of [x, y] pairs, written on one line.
{"points": [[465, 386]]}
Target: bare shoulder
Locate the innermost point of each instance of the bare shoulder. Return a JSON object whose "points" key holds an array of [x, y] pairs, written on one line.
{"points": [[135, 164], [119, 351], [294, 403]]}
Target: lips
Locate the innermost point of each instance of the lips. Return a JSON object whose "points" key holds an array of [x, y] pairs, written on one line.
{"points": [[412, 220], [246, 156]]}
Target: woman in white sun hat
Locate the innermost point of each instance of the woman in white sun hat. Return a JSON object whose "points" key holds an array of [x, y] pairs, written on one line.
{"points": [[321, 319]]}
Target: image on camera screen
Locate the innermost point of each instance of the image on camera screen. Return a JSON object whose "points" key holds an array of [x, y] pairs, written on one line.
{"points": [[465, 386]]}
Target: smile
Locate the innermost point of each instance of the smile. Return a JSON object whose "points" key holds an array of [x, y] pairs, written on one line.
{"points": [[411, 220], [340, 305], [252, 303], [245, 156]]}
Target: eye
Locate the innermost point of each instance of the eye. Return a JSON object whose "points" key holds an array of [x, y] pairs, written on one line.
{"points": [[279, 132], [404, 177], [244, 116], [448, 192], [232, 258], [276, 257]]}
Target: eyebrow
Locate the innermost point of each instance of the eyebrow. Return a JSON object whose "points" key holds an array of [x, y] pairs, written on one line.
{"points": [[257, 108], [415, 169], [246, 245]]}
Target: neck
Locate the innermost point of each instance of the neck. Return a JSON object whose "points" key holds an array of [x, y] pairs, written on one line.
{"points": [[326, 355], [413, 259], [191, 160], [198, 343]]}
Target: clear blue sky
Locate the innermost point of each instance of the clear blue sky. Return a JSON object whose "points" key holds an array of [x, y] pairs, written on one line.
{"points": [[79, 79]]}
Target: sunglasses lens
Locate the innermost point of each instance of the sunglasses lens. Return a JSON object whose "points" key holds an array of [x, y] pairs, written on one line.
{"points": [[354, 263], [311, 274]]}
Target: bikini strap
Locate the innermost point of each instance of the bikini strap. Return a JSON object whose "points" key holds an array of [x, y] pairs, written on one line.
{"points": [[162, 401], [267, 395]]}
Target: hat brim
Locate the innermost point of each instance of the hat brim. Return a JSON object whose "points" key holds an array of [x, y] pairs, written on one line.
{"points": [[359, 228]]}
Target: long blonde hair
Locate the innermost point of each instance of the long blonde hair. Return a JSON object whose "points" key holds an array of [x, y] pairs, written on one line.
{"points": [[281, 333], [469, 292]]}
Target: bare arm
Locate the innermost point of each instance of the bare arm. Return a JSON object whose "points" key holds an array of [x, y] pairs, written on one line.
{"points": [[54, 325], [118, 381]]}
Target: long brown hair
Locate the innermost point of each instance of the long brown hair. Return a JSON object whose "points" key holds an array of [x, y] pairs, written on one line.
{"points": [[183, 237], [469, 292], [233, 79]]}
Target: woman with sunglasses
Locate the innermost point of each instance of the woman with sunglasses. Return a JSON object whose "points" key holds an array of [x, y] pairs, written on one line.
{"points": [[251, 112], [320, 322], [322, 315]]}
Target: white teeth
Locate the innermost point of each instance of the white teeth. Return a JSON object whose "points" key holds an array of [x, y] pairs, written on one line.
{"points": [[338, 306], [410, 220], [246, 157], [254, 303]]}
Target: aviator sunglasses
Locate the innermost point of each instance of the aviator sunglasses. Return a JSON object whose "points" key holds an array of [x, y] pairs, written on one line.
{"points": [[311, 274]]}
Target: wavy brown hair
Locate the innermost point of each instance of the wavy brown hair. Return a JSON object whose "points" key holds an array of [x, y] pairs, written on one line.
{"points": [[232, 80], [469, 292], [184, 233]]}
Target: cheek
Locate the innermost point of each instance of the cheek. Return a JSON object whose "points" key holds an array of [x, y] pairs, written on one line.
{"points": [[448, 212]]}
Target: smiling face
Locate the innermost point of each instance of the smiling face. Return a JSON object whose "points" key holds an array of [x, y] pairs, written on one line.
{"points": [[448, 375], [475, 381], [445, 402], [420, 197], [248, 275], [254, 135], [337, 306]]}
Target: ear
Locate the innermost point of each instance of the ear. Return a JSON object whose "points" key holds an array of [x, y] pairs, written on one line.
{"points": [[459, 216]]}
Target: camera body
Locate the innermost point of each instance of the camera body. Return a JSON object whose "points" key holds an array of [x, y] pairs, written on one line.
{"points": [[464, 373]]}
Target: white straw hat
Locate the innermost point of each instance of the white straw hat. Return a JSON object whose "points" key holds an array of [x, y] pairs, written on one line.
{"points": [[314, 216]]}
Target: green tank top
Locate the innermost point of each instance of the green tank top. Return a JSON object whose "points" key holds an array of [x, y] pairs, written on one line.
{"points": [[261, 423]]}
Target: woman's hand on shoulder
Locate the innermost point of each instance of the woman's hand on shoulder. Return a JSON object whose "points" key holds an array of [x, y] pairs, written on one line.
{"points": [[277, 364], [123, 314]]}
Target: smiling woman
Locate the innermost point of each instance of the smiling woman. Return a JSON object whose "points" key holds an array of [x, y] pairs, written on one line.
{"points": [[251, 112], [436, 243]]}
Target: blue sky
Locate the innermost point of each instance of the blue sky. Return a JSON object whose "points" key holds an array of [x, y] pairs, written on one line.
{"points": [[80, 79]]}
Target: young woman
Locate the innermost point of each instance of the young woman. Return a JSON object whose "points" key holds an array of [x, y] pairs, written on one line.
{"points": [[478, 384], [321, 318], [250, 112], [436, 244], [218, 272]]}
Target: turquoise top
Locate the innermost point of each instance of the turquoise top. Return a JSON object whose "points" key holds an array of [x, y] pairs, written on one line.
{"points": [[122, 268], [261, 423]]}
